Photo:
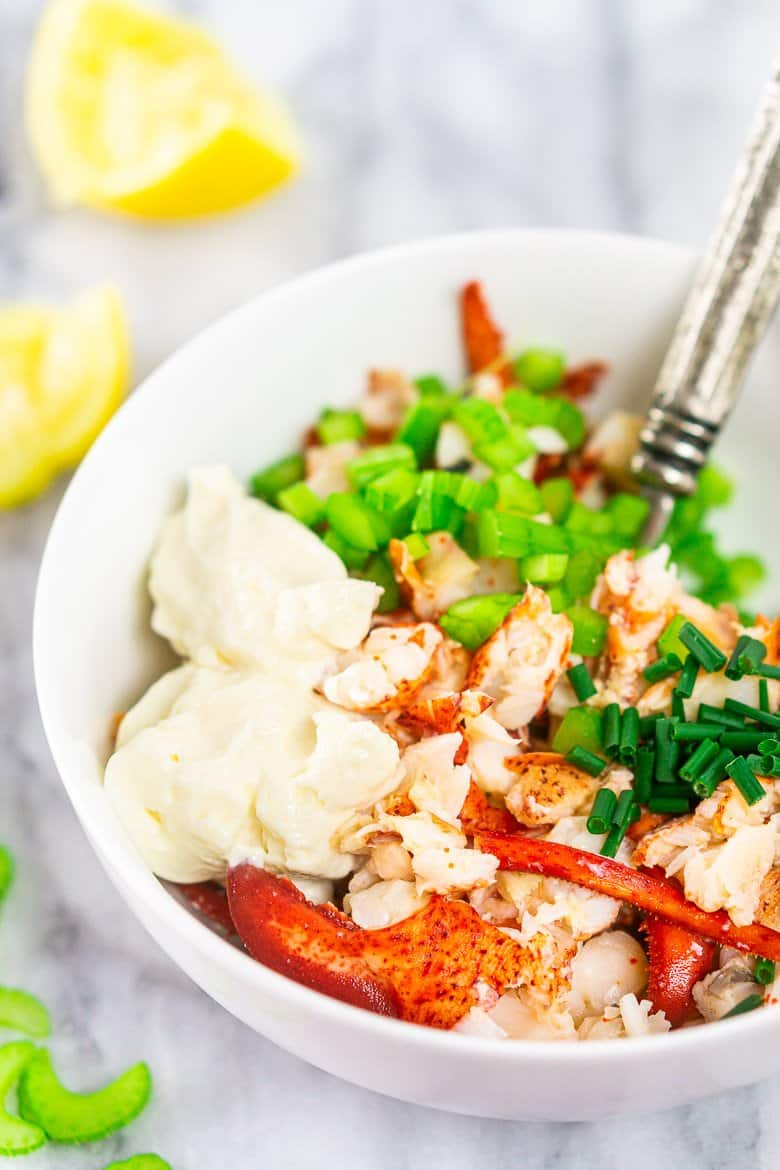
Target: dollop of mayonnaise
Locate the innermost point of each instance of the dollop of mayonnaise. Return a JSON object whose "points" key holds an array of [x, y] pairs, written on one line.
{"points": [[233, 755], [236, 582]]}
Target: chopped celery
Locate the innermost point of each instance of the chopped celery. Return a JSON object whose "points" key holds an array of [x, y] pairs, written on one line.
{"points": [[356, 522], [557, 497], [336, 426], [377, 461], [302, 504], [590, 630], [542, 568], [540, 369], [267, 484], [581, 727], [472, 620]]}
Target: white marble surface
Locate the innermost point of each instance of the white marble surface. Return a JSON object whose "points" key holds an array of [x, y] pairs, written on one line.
{"points": [[420, 118]]}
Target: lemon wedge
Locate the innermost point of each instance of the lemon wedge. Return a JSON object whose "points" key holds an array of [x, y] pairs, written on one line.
{"points": [[63, 372], [136, 112]]}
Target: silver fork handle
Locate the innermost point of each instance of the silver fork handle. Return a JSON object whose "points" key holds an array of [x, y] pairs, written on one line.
{"points": [[727, 310]]}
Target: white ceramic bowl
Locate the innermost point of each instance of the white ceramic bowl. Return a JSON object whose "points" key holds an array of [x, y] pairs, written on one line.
{"points": [[242, 393]]}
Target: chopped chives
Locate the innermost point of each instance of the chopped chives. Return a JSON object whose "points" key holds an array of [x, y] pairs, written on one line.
{"points": [[662, 668], [732, 705], [764, 971], [744, 741], [767, 747], [669, 804], [707, 781], [678, 706], [626, 811], [667, 752], [643, 776], [687, 678], [745, 779], [706, 652], [700, 760], [691, 732], [587, 761], [763, 694], [582, 684], [749, 1004], [763, 765], [746, 656], [768, 671], [709, 714], [678, 790], [611, 730], [647, 724], [629, 737], [602, 811]]}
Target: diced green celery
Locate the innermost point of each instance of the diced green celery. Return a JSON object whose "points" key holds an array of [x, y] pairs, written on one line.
{"points": [[302, 503], [557, 497], [540, 369], [714, 488], [515, 493], [436, 512], [581, 727], [379, 570], [590, 630], [267, 484], [581, 573], [505, 454], [430, 384], [356, 521], [502, 534], [389, 492], [547, 538], [336, 426], [353, 558], [377, 461], [583, 519], [669, 641], [422, 422], [558, 597], [544, 568], [480, 420], [628, 513], [472, 620], [417, 544]]}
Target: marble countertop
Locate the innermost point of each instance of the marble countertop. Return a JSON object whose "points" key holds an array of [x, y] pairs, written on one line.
{"points": [[419, 119]]}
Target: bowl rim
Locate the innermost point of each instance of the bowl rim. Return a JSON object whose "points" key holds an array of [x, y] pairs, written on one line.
{"points": [[151, 893]]}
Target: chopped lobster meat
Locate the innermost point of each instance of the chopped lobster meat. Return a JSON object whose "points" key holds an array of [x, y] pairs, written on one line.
{"points": [[423, 969], [678, 961], [482, 339], [478, 816], [643, 888], [581, 381], [210, 900]]}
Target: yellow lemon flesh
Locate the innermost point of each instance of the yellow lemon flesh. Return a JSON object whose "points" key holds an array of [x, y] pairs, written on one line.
{"points": [[135, 112], [63, 372]]}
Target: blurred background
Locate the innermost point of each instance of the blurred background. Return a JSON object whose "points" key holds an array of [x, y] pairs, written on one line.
{"points": [[418, 119]]}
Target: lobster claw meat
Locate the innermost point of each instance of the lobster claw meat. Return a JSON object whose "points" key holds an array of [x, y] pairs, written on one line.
{"points": [[423, 969], [482, 339], [678, 960], [647, 889]]}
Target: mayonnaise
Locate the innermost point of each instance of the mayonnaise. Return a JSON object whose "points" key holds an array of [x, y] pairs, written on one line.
{"points": [[236, 582], [233, 755]]}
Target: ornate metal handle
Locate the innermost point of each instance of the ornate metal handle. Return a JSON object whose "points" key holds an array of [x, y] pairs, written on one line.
{"points": [[733, 295]]}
